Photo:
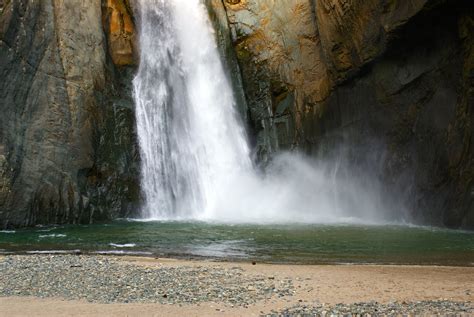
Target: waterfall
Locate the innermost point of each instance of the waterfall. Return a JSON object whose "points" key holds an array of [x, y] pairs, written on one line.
{"points": [[190, 137], [195, 157]]}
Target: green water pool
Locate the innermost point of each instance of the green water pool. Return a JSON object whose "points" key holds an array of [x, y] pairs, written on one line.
{"points": [[297, 243]]}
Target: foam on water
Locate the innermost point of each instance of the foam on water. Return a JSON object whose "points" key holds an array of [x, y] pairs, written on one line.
{"points": [[125, 245], [53, 235], [122, 252], [76, 251]]}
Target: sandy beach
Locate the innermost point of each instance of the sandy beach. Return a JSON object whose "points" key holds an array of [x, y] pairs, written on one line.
{"points": [[310, 285]]}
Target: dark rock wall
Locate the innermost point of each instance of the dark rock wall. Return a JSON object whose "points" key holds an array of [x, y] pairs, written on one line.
{"points": [[67, 136], [416, 97]]}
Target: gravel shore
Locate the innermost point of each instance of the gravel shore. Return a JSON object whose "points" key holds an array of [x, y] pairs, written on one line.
{"points": [[102, 279], [440, 308], [236, 289]]}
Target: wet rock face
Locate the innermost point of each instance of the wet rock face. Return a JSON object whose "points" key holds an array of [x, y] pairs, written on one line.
{"points": [[60, 123], [393, 73]]}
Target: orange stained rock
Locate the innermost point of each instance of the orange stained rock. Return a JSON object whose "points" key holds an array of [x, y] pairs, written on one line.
{"points": [[120, 31]]}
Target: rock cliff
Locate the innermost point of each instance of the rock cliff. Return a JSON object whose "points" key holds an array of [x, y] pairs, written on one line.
{"points": [[67, 139]]}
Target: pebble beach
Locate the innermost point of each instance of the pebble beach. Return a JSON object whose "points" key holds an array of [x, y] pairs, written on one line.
{"points": [[224, 288]]}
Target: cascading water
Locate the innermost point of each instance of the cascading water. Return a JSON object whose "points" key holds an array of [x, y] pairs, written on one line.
{"points": [[195, 157], [190, 138]]}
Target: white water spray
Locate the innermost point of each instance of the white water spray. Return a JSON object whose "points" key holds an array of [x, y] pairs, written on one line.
{"points": [[195, 156]]}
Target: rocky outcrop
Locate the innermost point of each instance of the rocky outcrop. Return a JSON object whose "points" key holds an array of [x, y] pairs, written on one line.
{"points": [[393, 73], [67, 136]]}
